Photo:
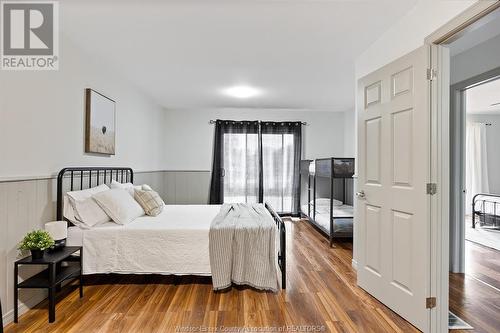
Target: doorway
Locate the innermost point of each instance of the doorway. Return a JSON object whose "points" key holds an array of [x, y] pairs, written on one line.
{"points": [[474, 279], [482, 162], [375, 94]]}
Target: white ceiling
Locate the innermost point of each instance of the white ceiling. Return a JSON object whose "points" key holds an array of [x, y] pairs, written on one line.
{"points": [[183, 53], [484, 99]]}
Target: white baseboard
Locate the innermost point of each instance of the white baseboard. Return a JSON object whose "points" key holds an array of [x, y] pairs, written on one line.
{"points": [[354, 264], [8, 317]]}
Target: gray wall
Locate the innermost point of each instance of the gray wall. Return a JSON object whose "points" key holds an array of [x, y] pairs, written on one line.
{"points": [[492, 142], [479, 59], [188, 136]]}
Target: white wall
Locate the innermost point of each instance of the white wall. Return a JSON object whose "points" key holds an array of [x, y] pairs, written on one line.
{"points": [[42, 118], [477, 60], [492, 140], [350, 140], [409, 33], [188, 136]]}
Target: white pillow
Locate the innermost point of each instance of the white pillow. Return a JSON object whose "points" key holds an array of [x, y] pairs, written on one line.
{"points": [[85, 209], [119, 205], [129, 187], [69, 213], [90, 213], [85, 194]]}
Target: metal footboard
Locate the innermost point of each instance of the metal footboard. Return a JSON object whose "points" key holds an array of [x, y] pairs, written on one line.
{"points": [[487, 217], [282, 248]]}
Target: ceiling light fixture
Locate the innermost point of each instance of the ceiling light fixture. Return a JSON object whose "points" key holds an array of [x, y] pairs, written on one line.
{"points": [[242, 91]]}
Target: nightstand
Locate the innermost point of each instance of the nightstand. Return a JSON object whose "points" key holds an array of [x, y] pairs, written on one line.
{"points": [[52, 277]]}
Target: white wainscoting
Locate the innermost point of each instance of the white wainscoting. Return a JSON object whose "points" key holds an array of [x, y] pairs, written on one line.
{"points": [[28, 204]]}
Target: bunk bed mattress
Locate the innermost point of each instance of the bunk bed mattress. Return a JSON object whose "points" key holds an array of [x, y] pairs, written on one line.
{"points": [[343, 218], [174, 242]]}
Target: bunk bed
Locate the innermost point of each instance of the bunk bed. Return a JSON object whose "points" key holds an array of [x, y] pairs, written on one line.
{"points": [[329, 192]]}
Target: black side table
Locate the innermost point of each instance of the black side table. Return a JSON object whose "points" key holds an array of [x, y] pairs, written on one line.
{"points": [[52, 277]]}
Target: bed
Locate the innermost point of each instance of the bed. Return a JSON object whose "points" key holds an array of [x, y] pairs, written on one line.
{"points": [[486, 210], [174, 242]]}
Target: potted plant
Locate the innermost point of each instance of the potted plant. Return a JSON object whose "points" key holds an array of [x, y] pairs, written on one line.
{"points": [[37, 242]]}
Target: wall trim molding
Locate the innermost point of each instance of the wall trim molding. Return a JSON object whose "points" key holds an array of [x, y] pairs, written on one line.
{"points": [[14, 179], [354, 264], [8, 317]]}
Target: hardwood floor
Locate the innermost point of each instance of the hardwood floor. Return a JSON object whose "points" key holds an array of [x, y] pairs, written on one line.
{"points": [[321, 292], [475, 295]]}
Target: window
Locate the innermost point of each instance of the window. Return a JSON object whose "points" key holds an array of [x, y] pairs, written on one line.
{"points": [[257, 162]]}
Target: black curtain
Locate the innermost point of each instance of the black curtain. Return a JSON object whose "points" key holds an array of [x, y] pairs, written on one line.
{"points": [[262, 163], [230, 135]]}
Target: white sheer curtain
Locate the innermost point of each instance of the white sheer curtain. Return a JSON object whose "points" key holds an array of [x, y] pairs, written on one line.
{"points": [[278, 170], [241, 167], [281, 153], [476, 162]]}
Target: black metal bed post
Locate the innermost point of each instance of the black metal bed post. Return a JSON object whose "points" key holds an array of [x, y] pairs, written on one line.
{"points": [[474, 209], [59, 213], [331, 204], [309, 194], [282, 251], [314, 194], [473, 214]]}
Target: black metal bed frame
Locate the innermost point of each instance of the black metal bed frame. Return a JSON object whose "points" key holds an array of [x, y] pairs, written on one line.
{"points": [[485, 219], [103, 175], [282, 250], [115, 173]]}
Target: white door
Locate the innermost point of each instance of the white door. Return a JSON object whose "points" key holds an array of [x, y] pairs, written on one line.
{"points": [[393, 166]]}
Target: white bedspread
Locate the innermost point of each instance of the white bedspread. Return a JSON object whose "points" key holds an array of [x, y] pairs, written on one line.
{"points": [[174, 242]]}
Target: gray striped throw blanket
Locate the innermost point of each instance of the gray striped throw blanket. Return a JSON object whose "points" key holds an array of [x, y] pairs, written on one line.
{"points": [[242, 247]]}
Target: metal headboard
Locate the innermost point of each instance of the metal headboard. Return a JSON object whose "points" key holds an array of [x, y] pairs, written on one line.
{"points": [[95, 175]]}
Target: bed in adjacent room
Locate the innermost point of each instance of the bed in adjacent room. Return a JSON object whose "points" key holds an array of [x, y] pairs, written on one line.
{"points": [[180, 240]]}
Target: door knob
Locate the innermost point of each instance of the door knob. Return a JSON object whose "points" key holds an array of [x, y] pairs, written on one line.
{"points": [[361, 194]]}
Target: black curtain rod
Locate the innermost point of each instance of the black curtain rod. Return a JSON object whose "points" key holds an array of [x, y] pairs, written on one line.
{"points": [[214, 121]]}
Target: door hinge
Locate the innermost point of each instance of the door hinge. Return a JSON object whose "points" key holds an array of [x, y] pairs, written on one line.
{"points": [[431, 74], [430, 302], [432, 188]]}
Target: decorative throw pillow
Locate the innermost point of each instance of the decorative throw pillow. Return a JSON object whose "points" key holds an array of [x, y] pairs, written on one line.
{"points": [[119, 205], [150, 201]]}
